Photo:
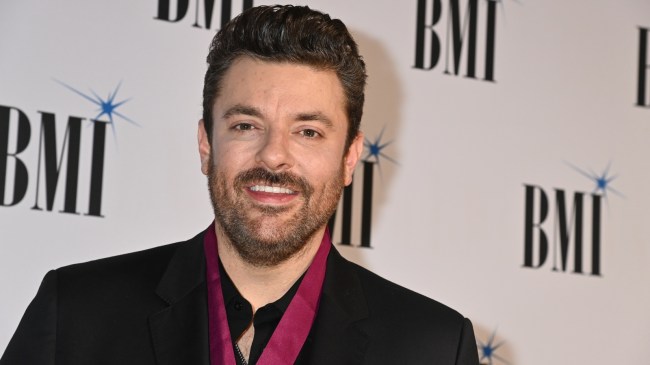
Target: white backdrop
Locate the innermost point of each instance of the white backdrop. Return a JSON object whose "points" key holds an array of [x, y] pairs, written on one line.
{"points": [[448, 210]]}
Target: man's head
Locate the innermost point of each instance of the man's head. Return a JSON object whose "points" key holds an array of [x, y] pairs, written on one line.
{"points": [[293, 34], [279, 139]]}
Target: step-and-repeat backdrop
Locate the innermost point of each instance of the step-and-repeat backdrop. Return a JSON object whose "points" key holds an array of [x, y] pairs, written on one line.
{"points": [[505, 174]]}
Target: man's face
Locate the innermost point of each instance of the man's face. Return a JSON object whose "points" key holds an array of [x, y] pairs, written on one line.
{"points": [[276, 163]]}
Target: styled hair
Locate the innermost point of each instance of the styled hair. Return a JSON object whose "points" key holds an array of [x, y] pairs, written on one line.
{"points": [[293, 34]]}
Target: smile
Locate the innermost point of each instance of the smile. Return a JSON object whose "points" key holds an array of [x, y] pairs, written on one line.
{"points": [[271, 189]]}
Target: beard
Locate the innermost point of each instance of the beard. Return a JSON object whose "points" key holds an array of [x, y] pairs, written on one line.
{"points": [[259, 233]]}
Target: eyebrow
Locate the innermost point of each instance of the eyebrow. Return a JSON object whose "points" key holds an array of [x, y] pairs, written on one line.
{"points": [[315, 116], [241, 109]]}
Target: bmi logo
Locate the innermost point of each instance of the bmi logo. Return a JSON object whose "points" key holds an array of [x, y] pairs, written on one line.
{"points": [[58, 167], [372, 159], [462, 36], [571, 221], [643, 86], [176, 10]]}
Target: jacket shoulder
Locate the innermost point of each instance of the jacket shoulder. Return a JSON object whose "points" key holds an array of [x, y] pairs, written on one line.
{"points": [[124, 283], [387, 296], [407, 327], [82, 307], [121, 265], [148, 263]]}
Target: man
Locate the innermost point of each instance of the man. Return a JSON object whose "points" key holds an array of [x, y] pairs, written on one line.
{"points": [[279, 139]]}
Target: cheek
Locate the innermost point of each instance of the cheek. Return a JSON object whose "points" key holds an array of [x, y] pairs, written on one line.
{"points": [[228, 156], [325, 169]]}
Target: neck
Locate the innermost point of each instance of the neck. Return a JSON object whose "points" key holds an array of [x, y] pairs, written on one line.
{"points": [[263, 285]]}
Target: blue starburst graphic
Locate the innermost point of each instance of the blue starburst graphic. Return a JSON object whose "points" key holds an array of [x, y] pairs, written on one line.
{"points": [[488, 350], [602, 181], [375, 148], [106, 107]]}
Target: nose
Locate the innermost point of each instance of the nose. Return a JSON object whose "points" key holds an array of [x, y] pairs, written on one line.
{"points": [[275, 154]]}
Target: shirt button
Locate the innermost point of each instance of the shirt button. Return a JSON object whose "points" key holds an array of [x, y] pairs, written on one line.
{"points": [[238, 306]]}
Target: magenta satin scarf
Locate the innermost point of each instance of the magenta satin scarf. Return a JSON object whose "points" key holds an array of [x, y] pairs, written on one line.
{"points": [[290, 334]]}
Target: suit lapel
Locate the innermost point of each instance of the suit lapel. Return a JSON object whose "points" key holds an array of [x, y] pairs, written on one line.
{"points": [[180, 331], [337, 336]]}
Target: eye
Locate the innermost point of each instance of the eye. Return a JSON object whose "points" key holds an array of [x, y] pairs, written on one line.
{"points": [[243, 127], [309, 133]]}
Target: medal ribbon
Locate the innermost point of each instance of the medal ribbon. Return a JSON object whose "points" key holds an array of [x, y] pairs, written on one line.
{"points": [[290, 334]]}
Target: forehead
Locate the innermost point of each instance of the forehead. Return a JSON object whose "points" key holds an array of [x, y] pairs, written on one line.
{"points": [[281, 87]]}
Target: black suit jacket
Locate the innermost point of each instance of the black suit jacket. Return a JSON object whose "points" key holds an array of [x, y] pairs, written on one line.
{"points": [[150, 307]]}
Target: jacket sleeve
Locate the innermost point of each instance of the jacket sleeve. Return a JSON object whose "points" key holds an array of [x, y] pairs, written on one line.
{"points": [[34, 342], [467, 351]]}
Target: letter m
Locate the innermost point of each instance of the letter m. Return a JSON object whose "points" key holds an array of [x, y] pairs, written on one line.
{"points": [[564, 226], [52, 162], [464, 32]]}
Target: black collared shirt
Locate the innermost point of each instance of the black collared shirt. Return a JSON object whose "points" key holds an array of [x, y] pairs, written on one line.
{"points": [[240, 316]]}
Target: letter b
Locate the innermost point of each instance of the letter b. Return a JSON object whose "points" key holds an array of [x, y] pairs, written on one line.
{"points": [[421, 31], [163, 10], [20, 177], [530, 226]]}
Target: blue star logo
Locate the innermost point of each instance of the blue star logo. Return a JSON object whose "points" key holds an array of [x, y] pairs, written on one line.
{"points": [[601, 181], [106, 107], [375, 148], [488, 350]]}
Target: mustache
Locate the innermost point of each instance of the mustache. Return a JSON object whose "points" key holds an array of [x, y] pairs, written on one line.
{"points": [[259, 175]]}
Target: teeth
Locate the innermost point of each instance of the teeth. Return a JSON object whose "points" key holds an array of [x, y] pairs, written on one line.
{"points": [[271, 189]]}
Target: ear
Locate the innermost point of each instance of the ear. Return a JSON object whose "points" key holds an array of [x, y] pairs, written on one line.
{"points": [[204, 147], [352, 157]]}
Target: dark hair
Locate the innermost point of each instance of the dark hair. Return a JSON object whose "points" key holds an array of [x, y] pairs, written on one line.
{"points": [[295, 34]]}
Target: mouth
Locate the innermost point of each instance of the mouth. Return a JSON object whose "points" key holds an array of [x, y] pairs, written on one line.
{"points": [[268, 189], [271, 189], [271, 195]]}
